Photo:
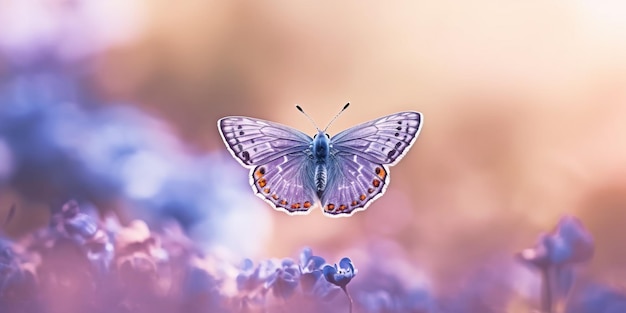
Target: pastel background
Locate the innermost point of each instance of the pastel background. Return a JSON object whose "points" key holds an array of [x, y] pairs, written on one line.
{"points": [[114, 103]]}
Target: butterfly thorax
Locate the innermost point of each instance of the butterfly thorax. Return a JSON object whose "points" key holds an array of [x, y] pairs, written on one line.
{"points": [[321, 151]]}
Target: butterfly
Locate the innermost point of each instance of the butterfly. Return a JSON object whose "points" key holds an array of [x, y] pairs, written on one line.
{"points": [[344, 173]]}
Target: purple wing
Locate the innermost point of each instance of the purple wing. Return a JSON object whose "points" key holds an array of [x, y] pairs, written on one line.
{"points": [[286, 183], [358, 170], [253, 141], [278, 158], [353, 183], [384, 140]]}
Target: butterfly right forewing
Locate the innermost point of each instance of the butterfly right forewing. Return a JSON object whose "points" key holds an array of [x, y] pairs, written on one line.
{"points": [[384, 140]]}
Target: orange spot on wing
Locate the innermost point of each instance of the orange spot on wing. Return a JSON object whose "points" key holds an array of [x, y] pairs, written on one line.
{"points": [[342, 207], [376, 182], [307, 204], [260, 172], [381, 172], [330, 207], [363, 197], [283, 202], [370, 190], [266, 190], [354, 203], [295, 205], [262, 182], [275, 197]]}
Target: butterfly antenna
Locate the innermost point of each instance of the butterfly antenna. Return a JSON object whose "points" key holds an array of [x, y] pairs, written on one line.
{"points": [[336, 116], [307, 116]]}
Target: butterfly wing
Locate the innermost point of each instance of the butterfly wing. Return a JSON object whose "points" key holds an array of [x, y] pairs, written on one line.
{"points": [[286, 183], [278, 157], [358, 171], [384, 140], [353, 183], [253, 141]]}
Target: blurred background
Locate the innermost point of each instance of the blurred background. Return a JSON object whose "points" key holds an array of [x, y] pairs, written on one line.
{"points": [[114, 103]]}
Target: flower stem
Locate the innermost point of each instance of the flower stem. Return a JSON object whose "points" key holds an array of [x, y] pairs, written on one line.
{"points": [[345, 290], [546, 291]]}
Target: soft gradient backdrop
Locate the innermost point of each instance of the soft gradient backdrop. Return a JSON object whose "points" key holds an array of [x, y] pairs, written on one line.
{"points": [[524, 106]]}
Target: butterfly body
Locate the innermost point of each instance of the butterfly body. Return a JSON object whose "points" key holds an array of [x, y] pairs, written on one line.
{"points": [[320, 148], [344, 173]]}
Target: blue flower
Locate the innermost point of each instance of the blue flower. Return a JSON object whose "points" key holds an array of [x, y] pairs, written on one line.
{"points": [[554, 254], [340, 275], [311, 281], [284, 280], [569, 243], [310, 262], [251, 278], [245, 279]]}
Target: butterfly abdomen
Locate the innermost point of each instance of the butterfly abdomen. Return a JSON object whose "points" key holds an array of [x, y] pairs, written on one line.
{"points": [[321, 176]]}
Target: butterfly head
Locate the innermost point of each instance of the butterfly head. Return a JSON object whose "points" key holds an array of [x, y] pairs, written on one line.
{"points": [[321, 144]]}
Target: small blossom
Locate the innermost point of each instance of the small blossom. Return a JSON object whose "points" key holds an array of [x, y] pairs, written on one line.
{"points": [[340, 275], [310, 262], [285, 280], [75, 224], [251, 278], [245, 280], [311, 279], [569, 243]]}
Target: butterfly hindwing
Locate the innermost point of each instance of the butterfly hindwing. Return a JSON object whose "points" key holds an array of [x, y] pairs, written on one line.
{"points": [[286, 182], [384, 140], [253, 141], [354, 182]]}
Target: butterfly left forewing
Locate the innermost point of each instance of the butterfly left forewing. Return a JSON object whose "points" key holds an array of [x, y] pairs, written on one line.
{"points": [[353, 183], [254, 141]]}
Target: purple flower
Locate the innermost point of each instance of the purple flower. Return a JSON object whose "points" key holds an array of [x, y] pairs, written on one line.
{"points": [[244, 278], [311, 279], [340, 275], [285, 280], [76, 224], [310, 262], [554, 254], [17, 282], [84, 230], [569, 243], [251, 278]]}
